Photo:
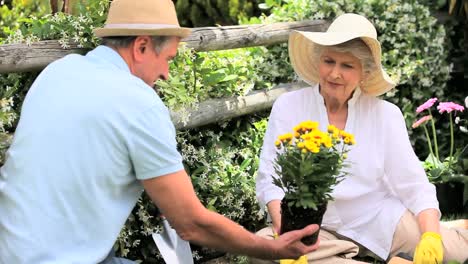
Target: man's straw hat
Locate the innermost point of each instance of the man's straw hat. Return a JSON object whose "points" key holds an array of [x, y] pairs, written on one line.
{"points": [[344, 28], [142, 17]]}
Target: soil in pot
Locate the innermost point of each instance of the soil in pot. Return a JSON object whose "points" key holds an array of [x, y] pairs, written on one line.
{"points": [[295, 218]]}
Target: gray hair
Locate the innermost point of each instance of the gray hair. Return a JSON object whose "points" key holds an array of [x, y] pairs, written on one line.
{"points": [[125, 41], [357, 47]]}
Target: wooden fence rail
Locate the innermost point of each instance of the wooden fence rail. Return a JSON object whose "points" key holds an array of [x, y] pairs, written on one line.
{"points": [[216, 110], [23, 58]]}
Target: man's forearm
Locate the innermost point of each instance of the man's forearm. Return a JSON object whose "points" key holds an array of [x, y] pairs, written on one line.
{"points": [[215, 231]]}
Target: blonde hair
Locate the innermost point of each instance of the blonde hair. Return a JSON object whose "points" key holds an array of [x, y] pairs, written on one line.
{"points": [[357, 47]]}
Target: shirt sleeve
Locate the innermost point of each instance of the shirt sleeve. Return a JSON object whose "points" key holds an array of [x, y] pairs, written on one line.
{"points": [[403, 169], [152, 144], [265, 189]]}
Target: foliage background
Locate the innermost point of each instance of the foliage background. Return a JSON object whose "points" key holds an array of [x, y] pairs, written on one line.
{"points": [[223, 158]]}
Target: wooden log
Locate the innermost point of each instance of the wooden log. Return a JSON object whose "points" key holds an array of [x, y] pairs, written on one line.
{"points": [[23, 57], [231, 37], [216, 110]]}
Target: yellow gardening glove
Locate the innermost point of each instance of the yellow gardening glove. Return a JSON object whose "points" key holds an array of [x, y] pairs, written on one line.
{"points": [[301, 260], [429, 250]]}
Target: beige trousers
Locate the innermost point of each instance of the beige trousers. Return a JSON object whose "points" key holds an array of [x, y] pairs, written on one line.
{"points": [[338, 249], [407, 236]]}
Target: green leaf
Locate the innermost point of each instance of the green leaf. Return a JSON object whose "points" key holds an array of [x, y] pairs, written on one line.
{"points": [[245, 164], [230, 78], [433, 160]]}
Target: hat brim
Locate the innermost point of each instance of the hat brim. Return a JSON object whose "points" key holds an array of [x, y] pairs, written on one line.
{"points": [[115, 32], [305, 64]]}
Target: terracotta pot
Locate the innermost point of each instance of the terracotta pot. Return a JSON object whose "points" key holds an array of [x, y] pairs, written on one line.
{"points": [[295, 218]]}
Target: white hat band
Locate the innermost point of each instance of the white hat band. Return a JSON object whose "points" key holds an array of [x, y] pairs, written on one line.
{"points": [[140, 26]]}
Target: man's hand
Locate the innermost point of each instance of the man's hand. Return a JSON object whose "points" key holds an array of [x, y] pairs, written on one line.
{"points": [[289, 245], [429, 249]]}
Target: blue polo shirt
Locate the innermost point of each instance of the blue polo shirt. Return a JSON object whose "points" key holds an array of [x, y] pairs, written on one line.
{"points": [[89, 131]]}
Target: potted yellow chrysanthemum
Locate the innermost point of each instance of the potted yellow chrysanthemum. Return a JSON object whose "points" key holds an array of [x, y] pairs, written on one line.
{"points": [[309, 164]]}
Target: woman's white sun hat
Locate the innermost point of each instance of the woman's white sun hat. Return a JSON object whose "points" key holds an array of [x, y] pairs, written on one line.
{"points": [[344, 28], [140, 18]]}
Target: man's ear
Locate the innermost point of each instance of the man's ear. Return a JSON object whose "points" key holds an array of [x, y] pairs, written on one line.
{"points": [[140, 48]]}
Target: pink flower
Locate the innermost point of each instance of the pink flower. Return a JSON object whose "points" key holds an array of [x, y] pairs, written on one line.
{"points": [[421, 121], [449, 107], [428, 104]]}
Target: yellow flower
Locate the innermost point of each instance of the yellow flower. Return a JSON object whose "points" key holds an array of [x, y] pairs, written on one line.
{"points": [[316, 150], [309, 125], [311, 146], [297, 128], [317, 134], [327, 142], [300, 145], [343, 133], [331, 129], [347, 140], [277, 143], [285, 137], [288, 136], [306, 136], [336, 134]]}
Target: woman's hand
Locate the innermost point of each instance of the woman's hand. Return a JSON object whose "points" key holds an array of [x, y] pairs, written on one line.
{"points": [[429, 249]]}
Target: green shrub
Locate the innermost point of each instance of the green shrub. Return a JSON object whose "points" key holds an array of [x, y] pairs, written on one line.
{"points": [[11, 15], [201, 13]]}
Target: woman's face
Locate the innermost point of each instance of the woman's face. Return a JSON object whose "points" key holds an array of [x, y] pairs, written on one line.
{"points": [[340, 74]]}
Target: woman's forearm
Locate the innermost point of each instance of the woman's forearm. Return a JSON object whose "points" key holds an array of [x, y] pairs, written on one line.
{"points": [[429, 221], [274, 209]]}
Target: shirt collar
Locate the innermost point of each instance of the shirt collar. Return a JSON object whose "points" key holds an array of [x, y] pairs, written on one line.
{"points": [[355, 97], [108, 55], [351, 102]]}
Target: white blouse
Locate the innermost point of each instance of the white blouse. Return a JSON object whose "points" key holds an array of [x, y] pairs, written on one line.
{"points": [[385, 176]]}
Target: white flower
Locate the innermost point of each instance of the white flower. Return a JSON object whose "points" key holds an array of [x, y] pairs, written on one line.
{"points": [[76, 38], [81, 18], [64, 43]]}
